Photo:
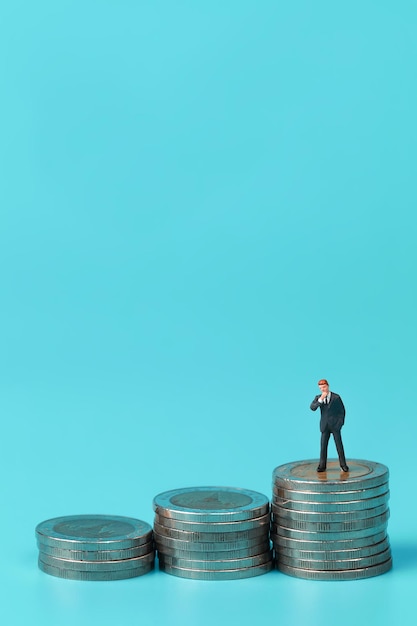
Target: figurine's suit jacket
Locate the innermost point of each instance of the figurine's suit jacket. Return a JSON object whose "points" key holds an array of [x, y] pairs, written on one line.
{"points": [[332, 414]]}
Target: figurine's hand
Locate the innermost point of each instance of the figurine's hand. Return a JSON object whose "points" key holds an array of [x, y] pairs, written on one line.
{"points": [[322, 397]]}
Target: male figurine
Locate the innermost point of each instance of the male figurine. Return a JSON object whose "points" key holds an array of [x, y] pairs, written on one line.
{"points": [[332, 419]]}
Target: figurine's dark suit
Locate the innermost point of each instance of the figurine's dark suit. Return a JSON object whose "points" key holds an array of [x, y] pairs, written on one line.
{"points": [[331, 421]]}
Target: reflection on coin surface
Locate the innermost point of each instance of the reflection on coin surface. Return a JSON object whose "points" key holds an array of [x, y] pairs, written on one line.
{"points": [[94, 532], [221, 504], [303, 475]]}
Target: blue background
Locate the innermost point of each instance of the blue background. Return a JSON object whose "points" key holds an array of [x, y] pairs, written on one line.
{"points": [[205, 208]]}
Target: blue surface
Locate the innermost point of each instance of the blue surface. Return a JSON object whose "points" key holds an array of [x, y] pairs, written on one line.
{"points": [[205, 207]]}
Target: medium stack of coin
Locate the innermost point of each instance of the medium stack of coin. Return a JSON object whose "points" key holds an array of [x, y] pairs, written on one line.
{"points": [[213, 533], [331, 525], [95, 547]]}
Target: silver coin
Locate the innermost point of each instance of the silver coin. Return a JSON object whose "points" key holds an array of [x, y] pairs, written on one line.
{"points": [[257, 523], [211, 504], [366, 572], [329, 545], [62, 572], [282, 514], [330, 507], [330, 527], [255, 533], [326, 536], [331, 565], [303, 475], [329, 496], [332, 555], [234, 574], [97, 555], [94, 532], [227, 564], [206, 546], [215, 555], [96, 566]]}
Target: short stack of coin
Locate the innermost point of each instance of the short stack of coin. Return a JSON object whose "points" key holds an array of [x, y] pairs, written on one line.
{"points": [[331, 525], [95, 547], [213, 533]]}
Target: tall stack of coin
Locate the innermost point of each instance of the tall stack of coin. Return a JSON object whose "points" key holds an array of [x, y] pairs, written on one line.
{"points": [[95, 547], [331, 525], [213, 533]]}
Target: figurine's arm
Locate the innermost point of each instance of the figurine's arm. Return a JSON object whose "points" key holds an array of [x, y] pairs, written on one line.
{"points": [[315, 404]]}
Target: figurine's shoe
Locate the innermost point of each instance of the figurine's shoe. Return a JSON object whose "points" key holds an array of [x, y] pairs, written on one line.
{"points": [[321, 468], [344, 468]]}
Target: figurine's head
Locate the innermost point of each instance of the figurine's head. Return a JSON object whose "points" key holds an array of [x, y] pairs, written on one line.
{"points": [[323, 385]]}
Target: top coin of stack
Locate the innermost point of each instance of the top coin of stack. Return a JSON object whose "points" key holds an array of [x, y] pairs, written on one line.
{"points": [[212, 533], [95, 547], [331, 525]]}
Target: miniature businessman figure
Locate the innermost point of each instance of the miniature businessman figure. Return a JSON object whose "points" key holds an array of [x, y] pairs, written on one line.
{"points": [[332, 419]]}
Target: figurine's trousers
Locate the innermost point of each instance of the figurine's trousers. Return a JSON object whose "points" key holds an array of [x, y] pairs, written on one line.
{"points": [[325, 436]]}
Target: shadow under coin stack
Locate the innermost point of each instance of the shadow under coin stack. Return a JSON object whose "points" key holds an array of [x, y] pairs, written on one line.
{"points": [[213, 533], [331, 525], [95, 547]]}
